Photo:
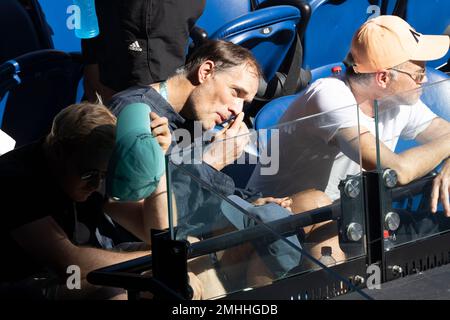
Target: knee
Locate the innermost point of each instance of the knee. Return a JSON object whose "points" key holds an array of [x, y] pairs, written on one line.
{"points": [[309, 200]]}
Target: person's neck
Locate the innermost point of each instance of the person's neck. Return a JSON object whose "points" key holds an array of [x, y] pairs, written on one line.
{"points": [[178, 90], [364, 98]]}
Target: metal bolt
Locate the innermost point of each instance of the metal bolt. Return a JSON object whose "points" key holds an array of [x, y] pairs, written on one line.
{"points": [[390, 178], [352, 188], [396, 270], [354, 231], [356, 280], [392, 221]]}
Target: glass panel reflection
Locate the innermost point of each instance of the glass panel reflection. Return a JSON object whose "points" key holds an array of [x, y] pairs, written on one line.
{"points": [[291, 217], [414, 141]]}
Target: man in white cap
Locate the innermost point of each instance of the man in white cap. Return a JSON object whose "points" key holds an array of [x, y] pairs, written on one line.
{"points": [[387, 57]]}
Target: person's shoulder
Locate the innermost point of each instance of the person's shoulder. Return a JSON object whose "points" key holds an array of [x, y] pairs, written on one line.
{"points": [[135, 94], [123, 98], [22, 178], [324, 94], [18, 161], [336, 85]]}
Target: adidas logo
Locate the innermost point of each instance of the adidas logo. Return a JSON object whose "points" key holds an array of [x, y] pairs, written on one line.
{"points": [[135, 47]]}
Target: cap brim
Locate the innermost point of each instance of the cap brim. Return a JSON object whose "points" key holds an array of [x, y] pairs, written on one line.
{"points": [[135, 166], [431, 47]]}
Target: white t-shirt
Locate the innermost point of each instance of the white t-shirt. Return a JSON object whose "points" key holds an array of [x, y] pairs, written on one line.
{"points": [[310, 157]]}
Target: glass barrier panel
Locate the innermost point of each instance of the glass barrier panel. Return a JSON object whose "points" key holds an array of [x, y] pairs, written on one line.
{"points": [[302, 207], [414, 141]]}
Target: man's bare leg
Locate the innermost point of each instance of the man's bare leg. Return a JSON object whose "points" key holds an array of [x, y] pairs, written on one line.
{"points": [[320, 234]]}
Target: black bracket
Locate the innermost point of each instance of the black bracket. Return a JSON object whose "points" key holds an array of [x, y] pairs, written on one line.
{"points": [[351, 222], [170, 262]]}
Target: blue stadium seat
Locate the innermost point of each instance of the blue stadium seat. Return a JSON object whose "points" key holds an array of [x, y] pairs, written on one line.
{"points": [[268, 32], [331, 27], [39, 85], [434, 75], [22, 29], [269, 28], [272, 112], [219, 12], [327, 70]]}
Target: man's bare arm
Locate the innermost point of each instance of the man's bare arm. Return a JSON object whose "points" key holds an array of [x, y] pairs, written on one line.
{"points": [[409, 165], [46, 241], [140, 217], [437, 129]]}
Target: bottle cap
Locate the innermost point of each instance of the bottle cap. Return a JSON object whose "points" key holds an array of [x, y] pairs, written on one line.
{"points": [[336, 69]]}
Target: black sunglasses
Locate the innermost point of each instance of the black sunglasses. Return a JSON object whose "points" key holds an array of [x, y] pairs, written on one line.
{"points": [[93, 175]]}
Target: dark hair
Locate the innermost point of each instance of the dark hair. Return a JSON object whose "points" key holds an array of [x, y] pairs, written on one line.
{"points": [[362, 78], [224, 54]]}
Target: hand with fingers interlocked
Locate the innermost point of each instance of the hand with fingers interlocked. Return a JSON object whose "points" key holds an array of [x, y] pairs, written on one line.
{"points": [[285, 202]]}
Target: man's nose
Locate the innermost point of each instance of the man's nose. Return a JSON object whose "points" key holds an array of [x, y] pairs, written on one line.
{"points": [[237, 107]]}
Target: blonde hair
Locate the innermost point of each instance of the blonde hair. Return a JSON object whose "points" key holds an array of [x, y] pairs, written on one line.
{"points": [[81, 125]]}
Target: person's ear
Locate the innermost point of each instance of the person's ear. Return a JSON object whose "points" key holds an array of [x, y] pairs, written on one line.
{"points": [[205, 71], [382, 78]]}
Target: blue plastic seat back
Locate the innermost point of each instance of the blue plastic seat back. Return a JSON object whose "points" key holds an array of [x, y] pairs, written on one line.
{"points": [[219, 12], [331, 28], [272, 112], [48, 83], [326, 71], [268, 33], [21, 30]]}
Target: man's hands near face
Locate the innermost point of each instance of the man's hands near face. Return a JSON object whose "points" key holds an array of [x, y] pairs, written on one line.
{"points": [[228, 144], [160, 130]]}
